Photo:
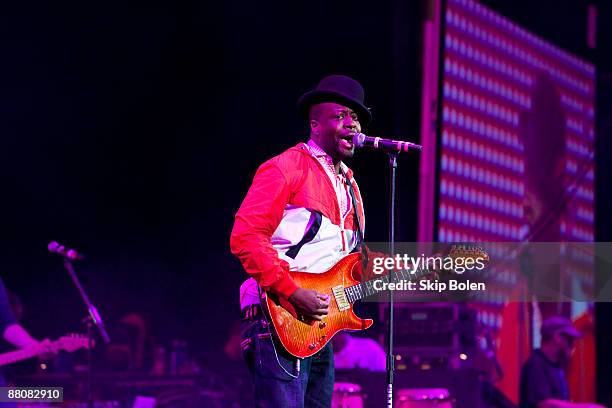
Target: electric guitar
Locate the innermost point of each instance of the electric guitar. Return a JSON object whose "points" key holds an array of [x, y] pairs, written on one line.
{"points": [[303, 338], [67, 343]]}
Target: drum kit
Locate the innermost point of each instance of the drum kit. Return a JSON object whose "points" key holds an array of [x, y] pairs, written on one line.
{"points": [[349, 395]]}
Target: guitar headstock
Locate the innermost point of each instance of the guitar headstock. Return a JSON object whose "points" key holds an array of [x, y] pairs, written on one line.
{"points": [[71, 342], [469, 252]]}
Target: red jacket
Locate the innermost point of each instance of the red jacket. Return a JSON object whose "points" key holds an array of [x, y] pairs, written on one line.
{"points": [[287, 191]]}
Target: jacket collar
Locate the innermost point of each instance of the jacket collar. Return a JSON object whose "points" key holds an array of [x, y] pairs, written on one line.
{"points": [[305, 149]]}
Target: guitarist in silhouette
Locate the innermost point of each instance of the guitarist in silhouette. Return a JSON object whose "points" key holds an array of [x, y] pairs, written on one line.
{"points": [[303, 212], [13, 332]]}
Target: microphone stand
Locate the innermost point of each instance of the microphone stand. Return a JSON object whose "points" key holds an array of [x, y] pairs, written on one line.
{"points": [[393, 149], [390, 356], [93, 319]]}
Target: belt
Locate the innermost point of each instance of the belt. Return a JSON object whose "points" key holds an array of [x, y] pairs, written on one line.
{"points": [[252, 312]]}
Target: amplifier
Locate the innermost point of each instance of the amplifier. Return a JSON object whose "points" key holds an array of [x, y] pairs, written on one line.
{"points": [[433, 329]]}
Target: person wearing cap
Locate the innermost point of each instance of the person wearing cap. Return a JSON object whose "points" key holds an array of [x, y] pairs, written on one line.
{"points": [[303, 212], [543, 382]]}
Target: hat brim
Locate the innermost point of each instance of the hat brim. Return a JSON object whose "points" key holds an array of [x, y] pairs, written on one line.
{"points": [[571, 331], [314, 97]]}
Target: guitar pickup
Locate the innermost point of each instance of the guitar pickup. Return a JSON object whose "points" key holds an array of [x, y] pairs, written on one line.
{"points": [[340, 296]]}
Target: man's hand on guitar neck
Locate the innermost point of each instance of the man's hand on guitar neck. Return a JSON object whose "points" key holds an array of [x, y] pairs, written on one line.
{"points": [[46, 349], [310, 304], [19, 337]]}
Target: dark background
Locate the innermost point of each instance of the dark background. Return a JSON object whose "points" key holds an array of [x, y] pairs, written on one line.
{"points": [[131, 130]]}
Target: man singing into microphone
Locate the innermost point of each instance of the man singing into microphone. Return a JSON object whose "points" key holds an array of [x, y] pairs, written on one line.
{"points": [[303, 212]]}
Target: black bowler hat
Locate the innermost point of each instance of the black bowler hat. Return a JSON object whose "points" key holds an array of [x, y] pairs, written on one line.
{"points": [[340, 89]]}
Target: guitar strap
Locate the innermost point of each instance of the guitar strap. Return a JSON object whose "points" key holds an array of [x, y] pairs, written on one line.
{"points": [[315, 225], [360, 247]]}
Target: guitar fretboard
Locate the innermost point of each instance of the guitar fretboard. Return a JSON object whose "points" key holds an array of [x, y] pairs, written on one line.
{"points": [[365, 289]]}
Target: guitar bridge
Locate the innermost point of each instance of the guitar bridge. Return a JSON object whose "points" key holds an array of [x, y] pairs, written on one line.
{"points": [[340, 296]]}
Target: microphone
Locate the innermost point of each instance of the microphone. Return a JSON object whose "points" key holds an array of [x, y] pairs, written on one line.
{"points": [[68, 253], [361, 140]]}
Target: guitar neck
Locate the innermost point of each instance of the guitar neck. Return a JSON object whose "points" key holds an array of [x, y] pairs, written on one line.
{"points": [[366, 289], [17, 355]]}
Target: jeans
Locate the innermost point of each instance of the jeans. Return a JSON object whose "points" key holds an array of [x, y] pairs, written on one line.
{"points": [[282, 380]]}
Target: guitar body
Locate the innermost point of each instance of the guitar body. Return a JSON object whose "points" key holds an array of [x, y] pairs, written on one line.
{"points": [[305, 338]]}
